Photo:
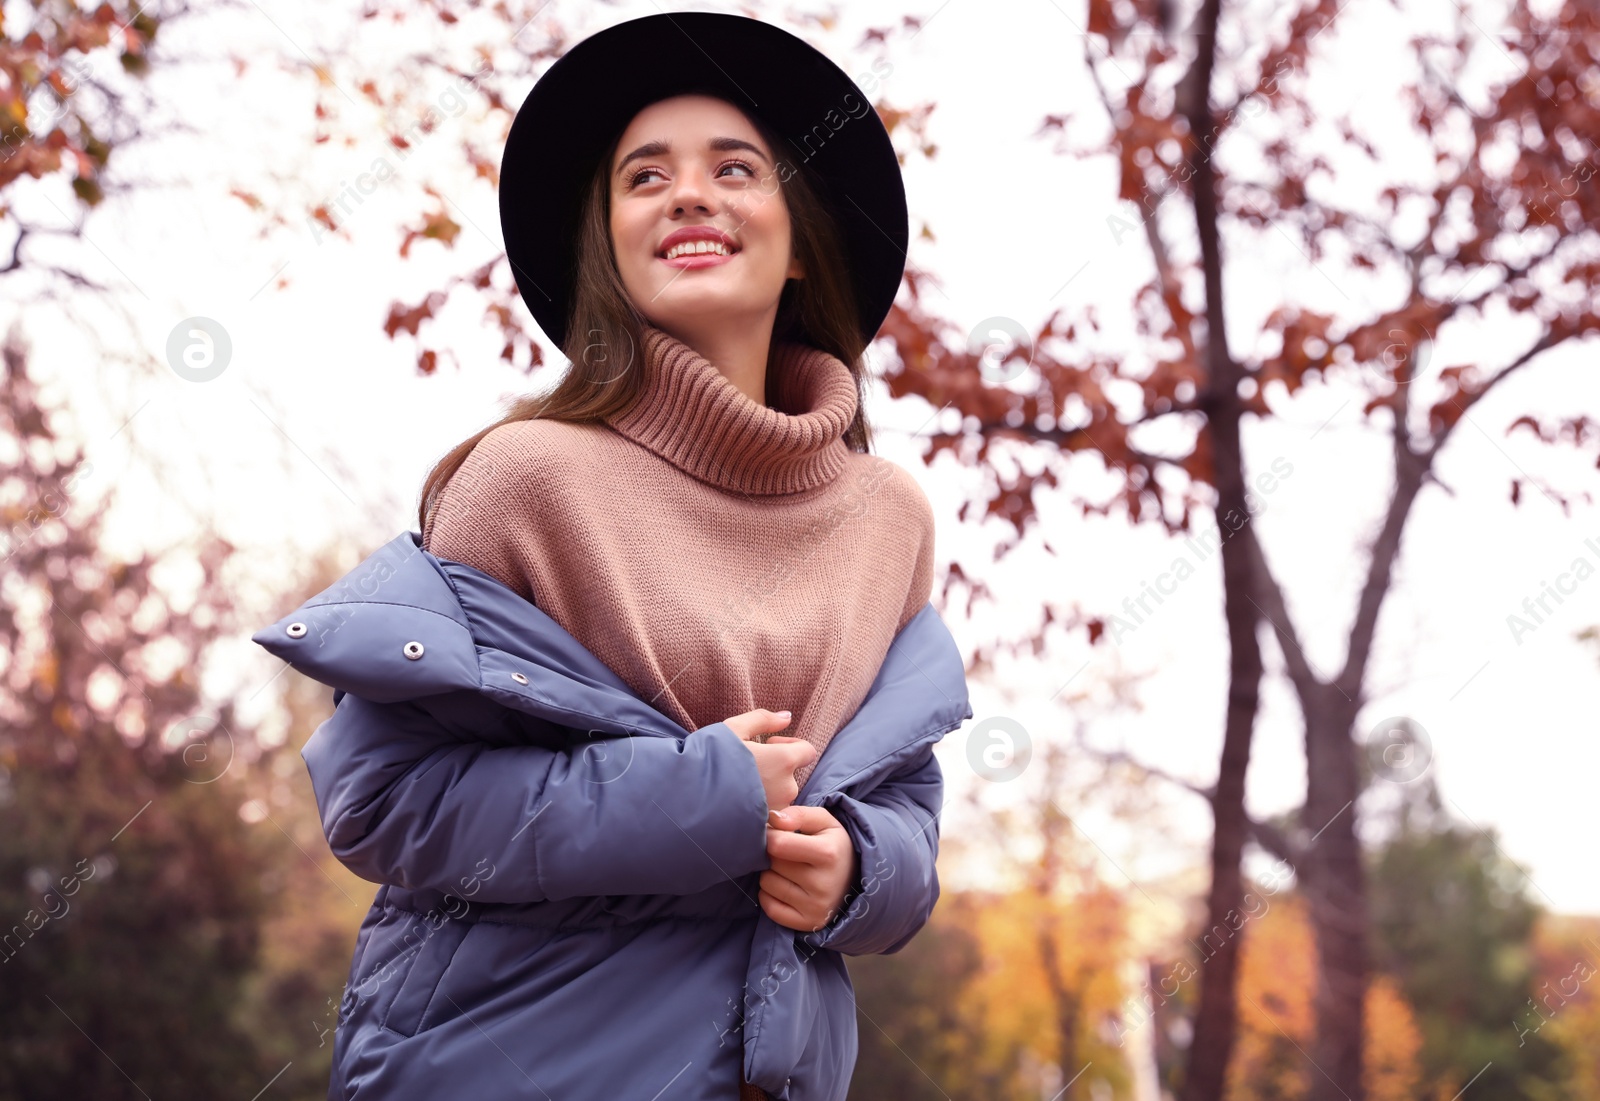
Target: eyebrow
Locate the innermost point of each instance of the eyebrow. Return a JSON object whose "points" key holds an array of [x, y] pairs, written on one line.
{"points": [[662, 148]]}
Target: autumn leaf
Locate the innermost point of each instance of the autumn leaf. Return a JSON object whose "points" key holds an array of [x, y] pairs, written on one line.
{"points": [[410, 319], [436, 226]]}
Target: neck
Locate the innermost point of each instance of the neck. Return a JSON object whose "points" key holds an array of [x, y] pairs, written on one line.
{"points": [[739, 352]]}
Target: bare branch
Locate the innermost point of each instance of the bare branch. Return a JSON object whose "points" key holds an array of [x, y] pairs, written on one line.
{"points": [[1269, 601], [1549, 339], [1409, 471], [1123, 757], [1276, 842]]}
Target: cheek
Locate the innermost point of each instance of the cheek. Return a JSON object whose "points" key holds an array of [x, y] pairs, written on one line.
{"points": [[770, 224], [629, 239]]}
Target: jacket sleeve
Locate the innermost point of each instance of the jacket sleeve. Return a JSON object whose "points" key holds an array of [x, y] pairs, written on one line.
{"points": [[405, 801], [895, 828]]}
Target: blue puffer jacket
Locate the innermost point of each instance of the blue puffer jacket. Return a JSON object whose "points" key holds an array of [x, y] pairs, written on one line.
{"points": [[569, 878]]}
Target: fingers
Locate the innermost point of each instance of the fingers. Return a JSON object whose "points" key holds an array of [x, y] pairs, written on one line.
{"points": [[785, 889], [778, 765], [786, 915], [756, 725], [801, 751], [787, 818], [798, 848], [806, 819], [789, 904], [793, 752]]}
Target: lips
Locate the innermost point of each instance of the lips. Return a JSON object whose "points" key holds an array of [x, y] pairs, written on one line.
{"points": [[693, 236]]}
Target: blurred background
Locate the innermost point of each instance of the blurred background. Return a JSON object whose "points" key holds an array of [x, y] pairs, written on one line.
{"points": [[1245, 352]]}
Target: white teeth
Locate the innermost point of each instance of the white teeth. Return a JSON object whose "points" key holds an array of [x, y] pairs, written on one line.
{"points": [[691, 248]]}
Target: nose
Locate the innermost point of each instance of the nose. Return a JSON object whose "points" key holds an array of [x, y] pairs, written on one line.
{"points": [[691, 191]]}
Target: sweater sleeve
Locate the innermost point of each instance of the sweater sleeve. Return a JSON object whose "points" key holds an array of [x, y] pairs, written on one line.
{"points": [[474, 517]]}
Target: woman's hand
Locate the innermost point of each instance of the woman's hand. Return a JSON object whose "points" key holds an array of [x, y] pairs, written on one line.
{"points": [[814, 862], [777, 756]]}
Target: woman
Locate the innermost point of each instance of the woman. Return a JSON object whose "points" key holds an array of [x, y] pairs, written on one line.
{"points": [[689, 519]]}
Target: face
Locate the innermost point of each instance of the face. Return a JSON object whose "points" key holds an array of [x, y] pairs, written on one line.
{"points": [[692, 173]]}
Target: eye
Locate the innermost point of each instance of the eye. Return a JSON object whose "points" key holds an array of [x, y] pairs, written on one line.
{"points": [[633, 180]]}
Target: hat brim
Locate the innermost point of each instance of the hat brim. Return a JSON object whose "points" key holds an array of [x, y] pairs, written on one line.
{"points": [[593, 91]]}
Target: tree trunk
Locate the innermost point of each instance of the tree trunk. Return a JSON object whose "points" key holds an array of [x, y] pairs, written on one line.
{"points": [[1332, 872], [1335, 885], [1216, 1018], [1068, 1003], [1068, 1007]]}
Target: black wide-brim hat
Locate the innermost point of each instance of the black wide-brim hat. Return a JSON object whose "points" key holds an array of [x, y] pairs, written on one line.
{"points": [[590, 94]]}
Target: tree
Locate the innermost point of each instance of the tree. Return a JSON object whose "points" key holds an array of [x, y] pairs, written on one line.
{"points": [[1565, 1008], [150, 938], [1451, 921], [1504, 229], [1276, 979], [919, 1039], [1054, 935], [131, 893], [57, 117]]}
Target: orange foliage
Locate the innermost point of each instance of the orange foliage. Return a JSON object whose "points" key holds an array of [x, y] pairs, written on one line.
{"points": [[1567, 989], [1026, 999], [1277, 975], [1391, 1045]]}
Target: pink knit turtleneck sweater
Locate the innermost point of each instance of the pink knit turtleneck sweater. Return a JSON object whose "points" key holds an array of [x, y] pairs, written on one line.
{"points": [[718, 554]]}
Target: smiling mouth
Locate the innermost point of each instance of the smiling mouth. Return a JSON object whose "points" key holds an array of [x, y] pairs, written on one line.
{"points": [[697, 248], [694, 255]]}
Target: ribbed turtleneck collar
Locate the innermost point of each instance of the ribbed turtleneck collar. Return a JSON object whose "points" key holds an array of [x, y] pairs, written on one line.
{"points": [[698, 421]]}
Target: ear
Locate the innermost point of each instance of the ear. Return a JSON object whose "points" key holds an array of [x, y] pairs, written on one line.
{"points": [[797, 270]]}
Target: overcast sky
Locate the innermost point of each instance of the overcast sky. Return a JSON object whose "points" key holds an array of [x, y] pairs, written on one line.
{"points": [[319, 431]]}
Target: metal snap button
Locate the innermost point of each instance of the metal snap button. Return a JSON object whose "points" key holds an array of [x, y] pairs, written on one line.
{"points": [[519, 678], [295, 630], [412, 650]]}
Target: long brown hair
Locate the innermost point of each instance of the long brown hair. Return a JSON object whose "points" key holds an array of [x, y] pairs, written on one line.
{"points": [[818, 310]]}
